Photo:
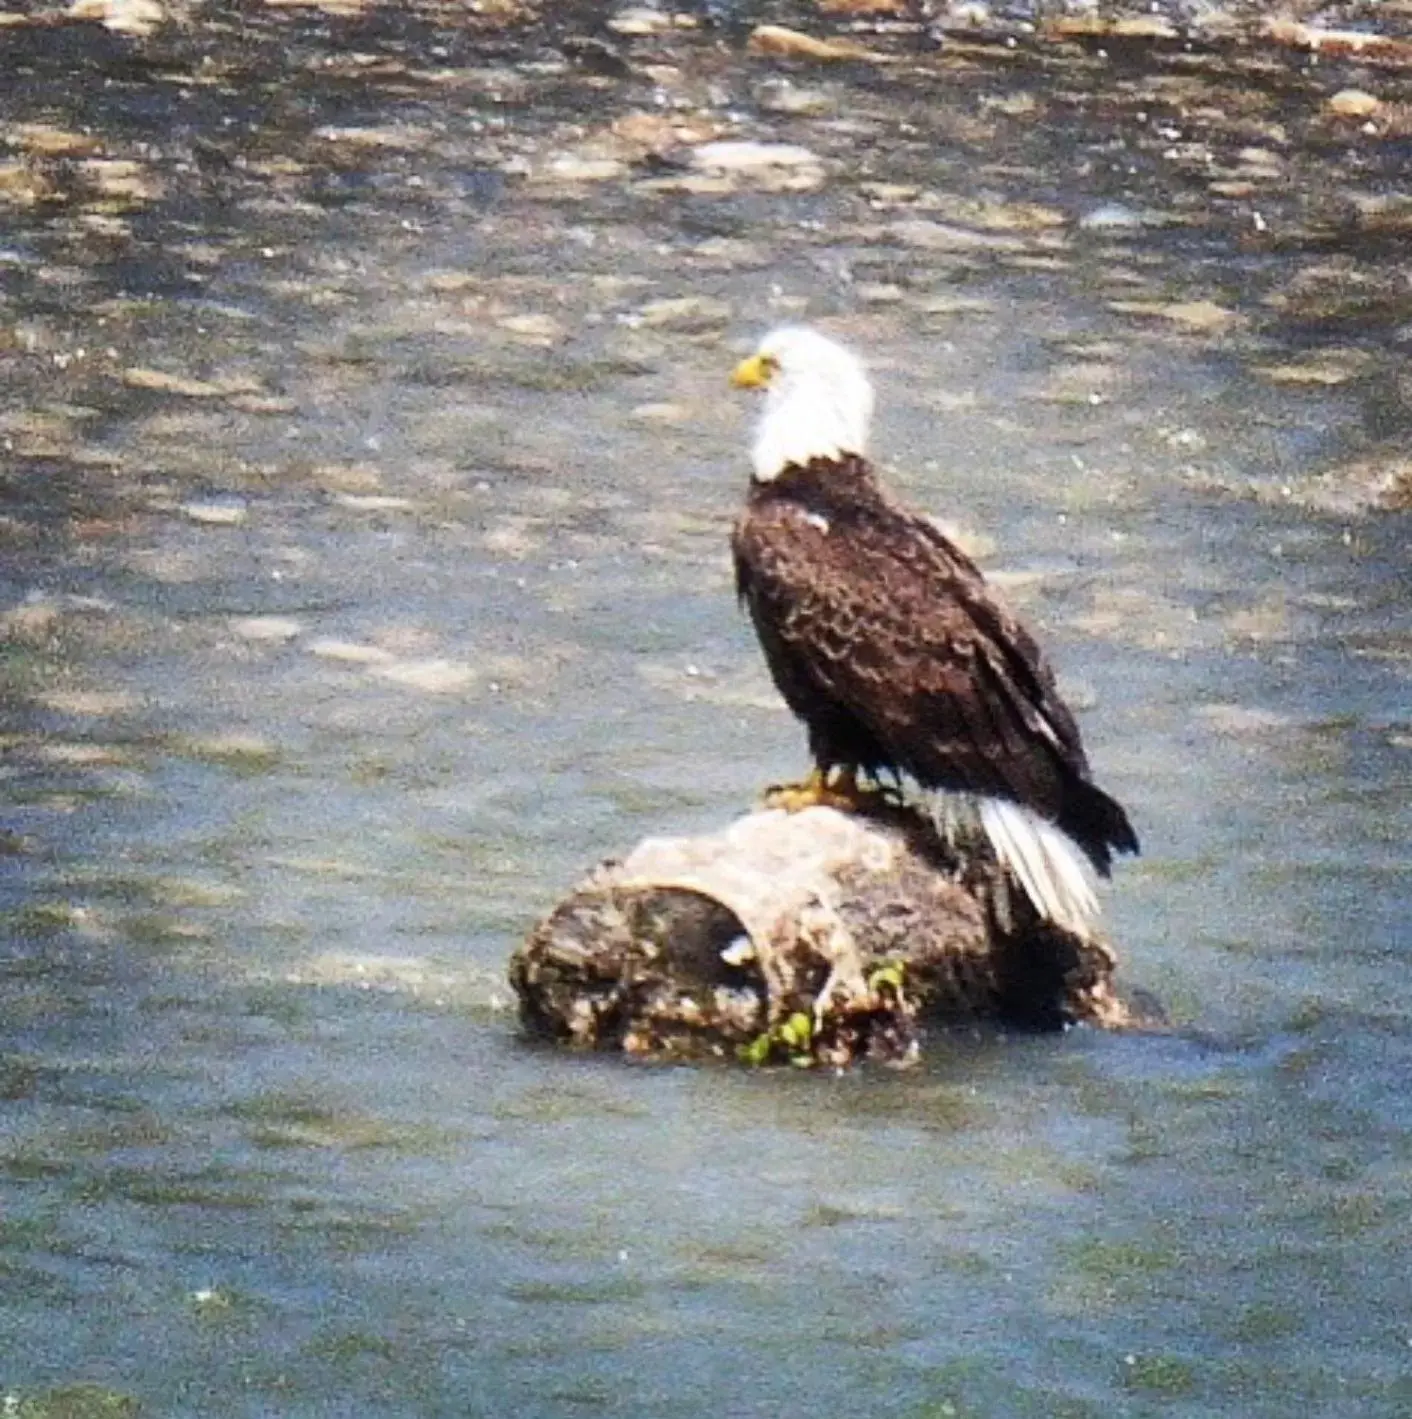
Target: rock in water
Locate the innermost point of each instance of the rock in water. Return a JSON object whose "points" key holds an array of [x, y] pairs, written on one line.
{"points": [[818, 937]]}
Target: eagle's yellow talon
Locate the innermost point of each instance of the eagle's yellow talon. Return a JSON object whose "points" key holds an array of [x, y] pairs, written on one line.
{"points": [[796, 797], [845, 793]]}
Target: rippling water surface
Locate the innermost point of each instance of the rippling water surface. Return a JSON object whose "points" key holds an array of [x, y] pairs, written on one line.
{"points": [[363, 503]]}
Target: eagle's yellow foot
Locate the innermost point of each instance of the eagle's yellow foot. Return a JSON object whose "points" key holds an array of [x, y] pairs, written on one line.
{"points": [[796, 797], [844, 793]]}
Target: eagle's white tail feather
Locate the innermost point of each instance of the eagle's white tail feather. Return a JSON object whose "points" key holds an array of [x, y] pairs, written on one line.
{"points": [[1050, 868]]}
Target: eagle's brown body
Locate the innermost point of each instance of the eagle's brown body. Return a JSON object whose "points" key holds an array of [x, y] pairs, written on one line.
{"points": [[885, 640]]}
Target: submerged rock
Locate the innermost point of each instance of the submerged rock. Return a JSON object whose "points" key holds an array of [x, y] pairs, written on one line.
{"points": [[816, 937], [139, 18], [1379, 482], [746, 155], [782, 42], [1355, 104]]}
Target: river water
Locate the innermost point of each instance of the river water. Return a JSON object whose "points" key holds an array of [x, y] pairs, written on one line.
{"points": [[367, 468]]}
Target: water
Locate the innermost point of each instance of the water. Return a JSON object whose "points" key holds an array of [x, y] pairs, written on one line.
{"points": [[332, 660]]}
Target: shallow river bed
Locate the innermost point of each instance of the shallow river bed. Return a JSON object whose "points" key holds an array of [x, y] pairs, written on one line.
{"points": [[366, 465]]}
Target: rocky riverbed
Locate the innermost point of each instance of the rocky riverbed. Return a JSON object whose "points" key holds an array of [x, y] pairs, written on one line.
{"points": [[366, 463]]}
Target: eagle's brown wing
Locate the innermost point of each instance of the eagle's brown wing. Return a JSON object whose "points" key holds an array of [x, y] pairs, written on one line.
{"points": [[896, 625]]}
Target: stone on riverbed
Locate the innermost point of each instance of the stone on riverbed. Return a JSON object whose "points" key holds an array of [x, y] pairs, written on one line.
{"points": [[815, 937]]}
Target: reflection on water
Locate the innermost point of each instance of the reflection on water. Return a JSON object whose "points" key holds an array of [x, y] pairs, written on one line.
{"points": [[364, 580]]}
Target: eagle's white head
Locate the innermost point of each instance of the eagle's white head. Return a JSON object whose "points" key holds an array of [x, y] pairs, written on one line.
{"points": [[818, 401]]}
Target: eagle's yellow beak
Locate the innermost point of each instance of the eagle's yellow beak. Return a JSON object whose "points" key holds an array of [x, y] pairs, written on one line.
{"points": [[754, 373]]}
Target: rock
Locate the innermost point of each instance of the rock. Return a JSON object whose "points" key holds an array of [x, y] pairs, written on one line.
{"points": [[340, 8], [218, 511], [574, 167], [1260, 163], [745, 155], [699, 184], [534, 326], [138, 18], [1364, 45], [120, 184], [715, 167], [262, 403], [1354, 103], [863, 7], [1378, 482], [639, 20], [45, 140], [1099, 27], [81, 756], [346, 477], [1204, 316], [86, 704], [350, 652], [595, 56], [374, 502], [780, 96], [236, 749], [1331, 366], [658, 138], [1112, 217], [22, 185], [265, 628], [986, 214], [392, 139], [166, 382], [432, 677], [923, 235], [501, 14], [878, 293], [949, 305], [815, 937], [793, 44], [685, 314], [662, 413]]}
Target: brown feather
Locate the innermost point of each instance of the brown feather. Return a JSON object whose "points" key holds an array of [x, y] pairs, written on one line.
{"points": [[884, 638]]}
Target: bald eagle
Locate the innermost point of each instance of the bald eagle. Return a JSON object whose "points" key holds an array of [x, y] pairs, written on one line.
{"points": [[884, 639]]}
